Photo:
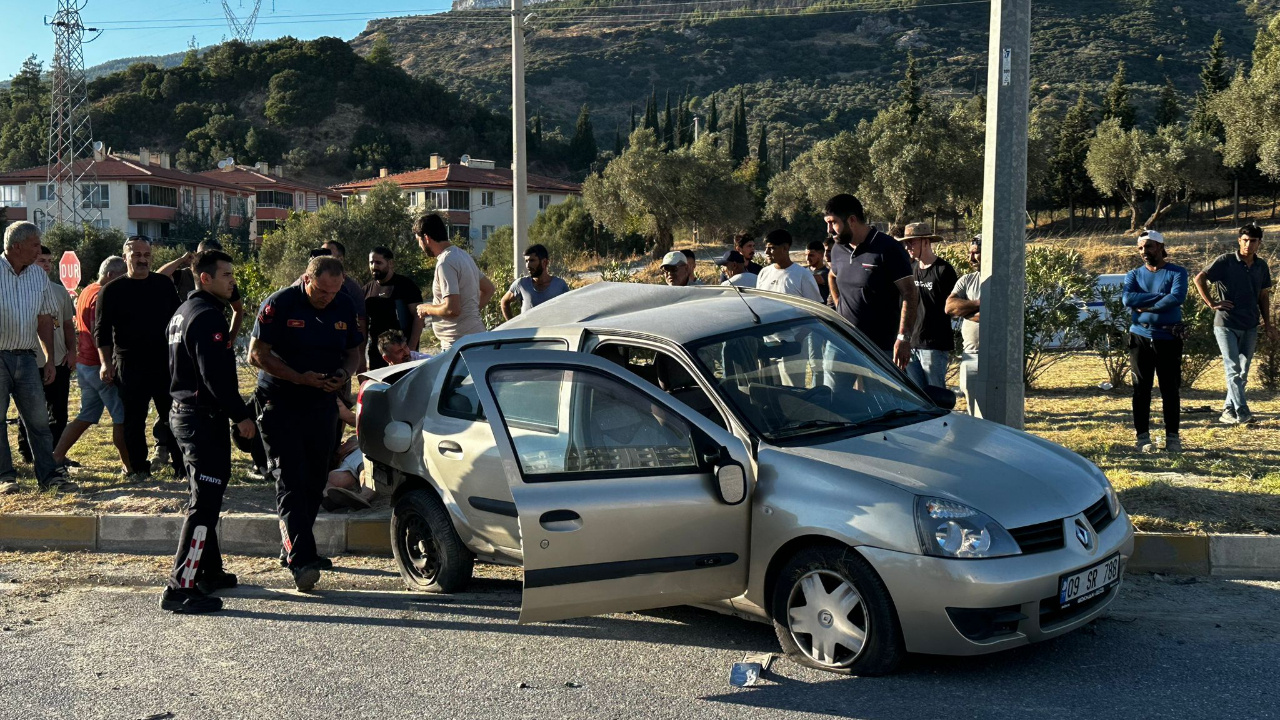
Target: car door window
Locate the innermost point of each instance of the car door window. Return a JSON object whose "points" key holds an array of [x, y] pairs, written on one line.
{"points": [[458, 397], [575, 424], [664, 372]]}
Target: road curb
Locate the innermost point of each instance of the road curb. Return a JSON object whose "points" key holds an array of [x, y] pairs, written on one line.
{"points": [[238, 533], [1251, 556]]}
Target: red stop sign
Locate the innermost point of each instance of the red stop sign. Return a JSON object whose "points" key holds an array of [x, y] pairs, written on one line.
{"points": [[69, 271]]}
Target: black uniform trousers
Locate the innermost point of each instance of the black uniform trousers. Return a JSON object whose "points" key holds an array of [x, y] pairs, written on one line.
{"points": [[205, 448], [142, 381], [1149, 359], [56, 395], [299, 439]]}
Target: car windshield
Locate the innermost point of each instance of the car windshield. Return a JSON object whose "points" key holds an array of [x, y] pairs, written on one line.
{"points": [[805, 378]]}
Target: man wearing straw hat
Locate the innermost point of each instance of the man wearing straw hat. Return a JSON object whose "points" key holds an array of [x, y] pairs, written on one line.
{"points": [[932, 339]]}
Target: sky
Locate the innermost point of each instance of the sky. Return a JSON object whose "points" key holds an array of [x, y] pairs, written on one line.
{"points": [[146, 27]]}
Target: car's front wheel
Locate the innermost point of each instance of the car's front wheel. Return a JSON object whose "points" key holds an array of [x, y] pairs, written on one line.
{"points": [[428, 552], [832, 612]]}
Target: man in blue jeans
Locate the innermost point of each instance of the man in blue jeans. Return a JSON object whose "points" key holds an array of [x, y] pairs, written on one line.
{"points": [[1242, 281], [932, 340], [27, 309]]}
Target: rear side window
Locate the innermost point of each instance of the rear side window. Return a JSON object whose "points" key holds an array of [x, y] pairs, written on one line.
{"points": [[458, 398]]}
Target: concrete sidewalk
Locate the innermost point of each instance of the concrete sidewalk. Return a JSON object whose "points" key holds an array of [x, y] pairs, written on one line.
{"points": [[368, 533]]}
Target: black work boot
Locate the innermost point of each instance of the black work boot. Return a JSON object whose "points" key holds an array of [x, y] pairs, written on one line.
{"points": [[305, 577]]}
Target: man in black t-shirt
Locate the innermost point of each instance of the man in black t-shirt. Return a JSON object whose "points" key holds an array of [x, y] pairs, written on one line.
{"points": [[185, 282], [816, 257], [871, 279], [391, 302], [130, 331], [932, 341]]}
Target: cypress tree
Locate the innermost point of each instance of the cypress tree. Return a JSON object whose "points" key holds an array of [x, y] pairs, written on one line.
{"points": [[739, 147], [910, 89], [617, 138], [668, 127], [651, 113], [1117, 104], [713, 117], [633, 117], [684, 133], [582, 148], [762, 153], [1169, 108], [1067, 164]]}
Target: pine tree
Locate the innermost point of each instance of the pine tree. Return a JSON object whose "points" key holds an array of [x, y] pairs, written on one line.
{"points": [[1213, 80], [1117, 104], [739, 145], [910, 90], [713, 117], [1169, 107], [582, 148], [668, 128]]}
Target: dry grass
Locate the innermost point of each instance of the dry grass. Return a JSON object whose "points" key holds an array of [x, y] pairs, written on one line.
{"points": [[1226, 480], [1117, 252]]}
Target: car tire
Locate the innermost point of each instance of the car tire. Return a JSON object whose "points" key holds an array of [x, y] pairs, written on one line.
{"points": [[428, 552], [830, 580]]}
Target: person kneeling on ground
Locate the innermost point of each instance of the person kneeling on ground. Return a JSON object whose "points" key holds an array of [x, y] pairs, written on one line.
{"points": [[343, 491]]}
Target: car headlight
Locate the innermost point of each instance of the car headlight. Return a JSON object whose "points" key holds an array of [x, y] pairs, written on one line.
{"points": [[953, 530], [1113, 500]]}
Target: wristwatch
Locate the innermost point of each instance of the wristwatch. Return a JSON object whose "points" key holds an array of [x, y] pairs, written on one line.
{"points": [[903, 338]]}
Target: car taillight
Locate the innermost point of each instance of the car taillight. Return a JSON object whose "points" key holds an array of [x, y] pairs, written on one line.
{"points": [[360, 396]]}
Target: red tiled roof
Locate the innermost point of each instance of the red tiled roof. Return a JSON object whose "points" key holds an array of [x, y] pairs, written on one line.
{"points": [[250, 178], [461, 176], [114, 168]]}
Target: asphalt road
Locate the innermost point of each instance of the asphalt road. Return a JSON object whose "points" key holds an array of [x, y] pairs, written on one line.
{"points": [[94, 645]]}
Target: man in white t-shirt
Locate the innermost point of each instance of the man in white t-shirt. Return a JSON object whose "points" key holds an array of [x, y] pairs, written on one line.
{"points": [[459, 289], [784, 276], [965, 303]]}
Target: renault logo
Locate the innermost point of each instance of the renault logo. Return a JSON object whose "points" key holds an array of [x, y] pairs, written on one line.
{"points": [[1083, 535]]}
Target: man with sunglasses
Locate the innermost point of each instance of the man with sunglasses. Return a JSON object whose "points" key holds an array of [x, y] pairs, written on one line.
{"points": [[1242, 282]]}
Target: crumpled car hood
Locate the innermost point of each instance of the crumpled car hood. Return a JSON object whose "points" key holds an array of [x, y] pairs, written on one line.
{"points": [[1014, 477]]}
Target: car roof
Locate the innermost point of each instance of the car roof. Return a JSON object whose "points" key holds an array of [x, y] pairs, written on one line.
{"points": [[681, 314]]}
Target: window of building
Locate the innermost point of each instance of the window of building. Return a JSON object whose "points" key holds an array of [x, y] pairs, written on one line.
{"points": [[459, 199], [486, 198], [187, 201], [322, 201], [44, 193], [544, 202], [238, 206], [485, 231], [13, 195], [275, 199], [153, 195], [95, 195], [267, 226], [101, 224], [463, 230]]}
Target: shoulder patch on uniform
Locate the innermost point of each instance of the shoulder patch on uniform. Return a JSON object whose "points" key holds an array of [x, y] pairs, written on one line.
{"points": [[217, 337], [296, 323], [340, 325]]}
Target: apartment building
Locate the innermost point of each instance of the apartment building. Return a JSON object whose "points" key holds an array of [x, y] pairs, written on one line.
{"points": [[473, 195], [275, 195]]}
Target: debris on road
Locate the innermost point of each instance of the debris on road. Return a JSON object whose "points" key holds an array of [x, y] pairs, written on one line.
{"points": [[751, 670]]}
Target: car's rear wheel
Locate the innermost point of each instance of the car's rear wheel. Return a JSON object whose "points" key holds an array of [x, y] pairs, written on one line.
{"points": [[428, 552], [832, 612]]}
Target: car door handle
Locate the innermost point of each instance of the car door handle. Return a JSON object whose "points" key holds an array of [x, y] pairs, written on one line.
{"points": [[560, 521], [449, 447]]}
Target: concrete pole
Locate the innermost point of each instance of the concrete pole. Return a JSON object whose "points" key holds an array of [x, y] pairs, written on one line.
{"points": [[520, 159], [1004, 214]]}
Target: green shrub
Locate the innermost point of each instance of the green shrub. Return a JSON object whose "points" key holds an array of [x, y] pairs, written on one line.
{"points": [[1056, 283]]}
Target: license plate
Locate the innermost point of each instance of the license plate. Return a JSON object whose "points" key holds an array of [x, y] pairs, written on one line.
{"points": [[1088, 583]]}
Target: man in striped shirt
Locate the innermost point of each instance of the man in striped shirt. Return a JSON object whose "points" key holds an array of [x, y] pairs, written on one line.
{"points": [[27, 308]]}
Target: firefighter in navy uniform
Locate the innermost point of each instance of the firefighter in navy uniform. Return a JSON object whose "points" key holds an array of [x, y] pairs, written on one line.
{"points": [[206, 396], [307, 343]]}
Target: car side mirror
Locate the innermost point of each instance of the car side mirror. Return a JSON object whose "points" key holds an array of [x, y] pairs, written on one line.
{"points": [[731, 483], [940, 396]]}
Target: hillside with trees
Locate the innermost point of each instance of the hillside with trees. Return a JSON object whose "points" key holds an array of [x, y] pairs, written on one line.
{"points": [[317, 107], [809, 75]]}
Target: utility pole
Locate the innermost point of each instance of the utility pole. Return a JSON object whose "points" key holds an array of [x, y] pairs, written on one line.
{"points": [[1004, 215], [74, 195], [520, 159]]}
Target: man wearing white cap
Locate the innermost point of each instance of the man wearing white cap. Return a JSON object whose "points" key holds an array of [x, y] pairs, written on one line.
{"points": [[676, 269], [1154, 294]]}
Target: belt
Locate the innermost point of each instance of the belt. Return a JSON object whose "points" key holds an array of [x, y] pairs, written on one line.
{"points": [[19, 352]]}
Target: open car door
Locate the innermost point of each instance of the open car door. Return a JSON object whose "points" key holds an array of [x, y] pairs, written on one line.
{"points": [[627, 499]]}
